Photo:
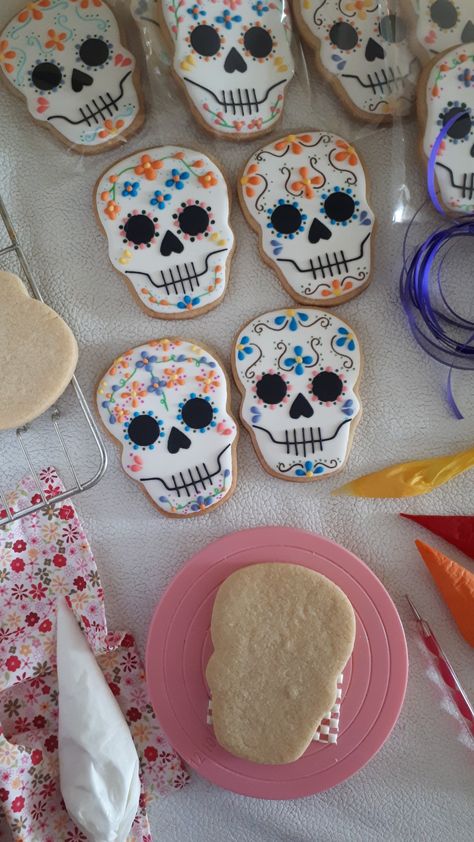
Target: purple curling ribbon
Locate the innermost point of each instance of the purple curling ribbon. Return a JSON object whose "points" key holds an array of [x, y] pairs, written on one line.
{"points": [[437, 327]]}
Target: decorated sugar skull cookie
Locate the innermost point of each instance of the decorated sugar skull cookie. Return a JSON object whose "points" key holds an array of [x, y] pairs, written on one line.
{"points": [[166, 403], [306, 196], [298, 371], [449, 91], [442, 24], [362, 48], [67, 60], [165, 213], [234, 60]]}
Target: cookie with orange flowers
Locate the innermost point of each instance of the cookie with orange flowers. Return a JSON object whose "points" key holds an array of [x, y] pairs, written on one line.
{"points": [[306, 196], [166, 403]]}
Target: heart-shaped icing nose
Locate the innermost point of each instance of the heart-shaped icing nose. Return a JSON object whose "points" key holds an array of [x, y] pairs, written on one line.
{"points": [[318, 231], [170, 243], [80, 80], [467, 34], [374, 50], [178, 441], [301, 406]]}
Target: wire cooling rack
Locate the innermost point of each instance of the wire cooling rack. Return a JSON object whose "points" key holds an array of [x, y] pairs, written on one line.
{"points": [[52, 439]]}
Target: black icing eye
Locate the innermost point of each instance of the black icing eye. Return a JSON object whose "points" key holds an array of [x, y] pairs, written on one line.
{"points": [[94, 52], [139, 229], [258, 42], [197, 413], [286, 219], [339, 206], [461, 128], [144, 430], [327, 386], [205, 40], [392, 29], [444, 14], [46, 76], [271, 388], [344, 36], [194, 220]]}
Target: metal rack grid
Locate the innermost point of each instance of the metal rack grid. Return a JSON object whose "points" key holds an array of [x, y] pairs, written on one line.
{"points": [[55, 450]]}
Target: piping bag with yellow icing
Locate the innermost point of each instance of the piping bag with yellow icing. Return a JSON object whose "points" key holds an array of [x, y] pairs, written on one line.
{"points": [[98, 761], [410, 479]]}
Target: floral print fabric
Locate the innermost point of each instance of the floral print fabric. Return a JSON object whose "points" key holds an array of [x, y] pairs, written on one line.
{"points": [[43, 556]]}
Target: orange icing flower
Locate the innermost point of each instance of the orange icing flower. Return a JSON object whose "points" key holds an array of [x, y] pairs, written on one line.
{"points": [[250, 179], [112, 209], [121, 414], [198, 164], [359, 7], [120, 362], [346, 152], [84, 4], [147, 167], [175, 378], [295, 142], [208, 179], [306, 183], [209, 381], [179, 155], [111, 128], [33, 9], [336, 289], [134, 392], [55, 40], [5, 56]]}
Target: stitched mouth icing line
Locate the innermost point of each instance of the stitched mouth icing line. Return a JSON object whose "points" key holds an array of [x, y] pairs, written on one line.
{"points": [[326, 264], [389, 79], [199, 478], [91, 113], [241, 101], [179, 279], [466, 188], [301, 442]]}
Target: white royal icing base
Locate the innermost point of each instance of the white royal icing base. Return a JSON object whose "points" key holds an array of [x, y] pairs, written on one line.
{"points": [[378, 77], [192, 275], [305, 435], [443, 24], [91, 104], [238, 89], [145, 397], [324, 260], [451, 86]]}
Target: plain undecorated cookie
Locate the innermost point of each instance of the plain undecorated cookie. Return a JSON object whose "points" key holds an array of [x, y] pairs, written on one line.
{"points": [[38, 354], [282, 634]]}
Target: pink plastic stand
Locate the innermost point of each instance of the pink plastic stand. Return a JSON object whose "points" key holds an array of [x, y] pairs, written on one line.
{"points": [[179, 647]]}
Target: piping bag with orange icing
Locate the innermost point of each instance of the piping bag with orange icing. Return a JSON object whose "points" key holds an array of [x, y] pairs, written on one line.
{"points": [[410, 479], [456, 586]]}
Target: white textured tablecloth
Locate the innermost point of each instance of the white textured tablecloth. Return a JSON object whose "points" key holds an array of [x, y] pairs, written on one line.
{"points": [[420, 786]]}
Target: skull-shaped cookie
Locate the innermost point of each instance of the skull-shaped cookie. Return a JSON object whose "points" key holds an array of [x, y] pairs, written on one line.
{"points": [[298, 372], [449, 91], [443, 24], [362, 48], [167, 404], [67, 60], [165, 213], [306, 196], [234, 60]]}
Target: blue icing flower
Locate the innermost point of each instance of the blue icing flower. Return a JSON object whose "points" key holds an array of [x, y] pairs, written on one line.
{"points": [[177, 179], [467, 77], [244, 347], [299, 360], [294, 317], [201, 503], [259, 7], [159, 199], [146, 361], [227, 18], [131, 188], [196, 12], [310, 469], [156, 386], [345, 339], [188, 303]]}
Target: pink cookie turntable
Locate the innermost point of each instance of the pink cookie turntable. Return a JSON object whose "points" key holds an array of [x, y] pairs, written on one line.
{"points": [[179, 647]]}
